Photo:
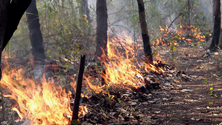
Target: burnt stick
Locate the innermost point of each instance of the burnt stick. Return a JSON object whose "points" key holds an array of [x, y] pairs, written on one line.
{"points": [[78, 89]]}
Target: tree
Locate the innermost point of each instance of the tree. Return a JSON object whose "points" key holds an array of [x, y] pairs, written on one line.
{"points": [[101, 31], [217, 22], [36, 39], [35, 32], [144, 30], [10, 15], [85, 8]]}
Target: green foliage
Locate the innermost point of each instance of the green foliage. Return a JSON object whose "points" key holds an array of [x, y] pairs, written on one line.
{"points": [[211, 92], [75, 122], [205, 81]]}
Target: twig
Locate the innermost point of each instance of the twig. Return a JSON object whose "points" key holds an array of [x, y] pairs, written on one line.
{"points": [[78, 89], [174, 20]]}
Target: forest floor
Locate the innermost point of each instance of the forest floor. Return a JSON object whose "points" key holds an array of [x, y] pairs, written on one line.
{"points": [[196, 101]]}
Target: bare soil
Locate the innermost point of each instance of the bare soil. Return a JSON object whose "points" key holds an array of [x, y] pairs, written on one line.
{"points": [[198, 105]]}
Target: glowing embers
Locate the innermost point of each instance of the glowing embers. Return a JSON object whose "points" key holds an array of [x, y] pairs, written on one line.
{"points": [[44, 104]]}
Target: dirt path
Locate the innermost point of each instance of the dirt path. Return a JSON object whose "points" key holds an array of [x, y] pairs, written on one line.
{"points": [[198, 100]]}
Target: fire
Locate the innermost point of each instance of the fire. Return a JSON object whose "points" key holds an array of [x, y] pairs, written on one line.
{"points": [[122, 66], [42, 103], [180, 35]]}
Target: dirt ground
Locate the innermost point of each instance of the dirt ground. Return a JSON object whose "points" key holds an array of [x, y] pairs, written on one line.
{"points": [[196, 101]]}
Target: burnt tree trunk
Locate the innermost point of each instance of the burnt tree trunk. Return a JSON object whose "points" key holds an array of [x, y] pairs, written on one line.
{"points": [[144, 30], [217, 22], [36, 39], [101, 31], [10, 15], [4, 5], [35, 34], [15, 11]]}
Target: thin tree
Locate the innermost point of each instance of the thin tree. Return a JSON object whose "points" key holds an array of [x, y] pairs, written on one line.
{"points": [[217, 23], [36, 39], [144, 30], [101, 31], [85, 8], [35, 32]]}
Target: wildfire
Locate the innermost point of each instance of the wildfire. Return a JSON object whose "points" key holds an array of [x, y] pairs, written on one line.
{"points": [[44, 103], [122, 65], [47, 103], [179, 34]]}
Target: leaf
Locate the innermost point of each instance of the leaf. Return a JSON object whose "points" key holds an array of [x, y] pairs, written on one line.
{"points": [[211, 103], [1, 114], [177, 36], [75, 51], [50, 8], [74, 122], [85, 18], [76, 44], [80, 52], [211, 88], [66, 64], [119, 100], [69, 52], [47, 51], [215, 75]]}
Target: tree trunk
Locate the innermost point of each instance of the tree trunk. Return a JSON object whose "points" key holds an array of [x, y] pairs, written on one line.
{"points": [[4, 5], [15, 11], [85, 8], [36, 39], [145, 36], [101, 31], [35, 32], [10, 15], [217, 22]]}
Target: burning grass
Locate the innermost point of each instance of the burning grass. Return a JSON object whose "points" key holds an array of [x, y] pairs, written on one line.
{"points": [[184, 34], [122, 67], [42, 103], [47, 103]]}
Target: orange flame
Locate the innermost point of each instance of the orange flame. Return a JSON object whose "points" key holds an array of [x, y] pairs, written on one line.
{"points": [[122, 66], [43, 104], [180, 34]]}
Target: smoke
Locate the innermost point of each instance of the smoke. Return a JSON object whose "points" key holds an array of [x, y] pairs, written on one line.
{"points": [[119, 16]]}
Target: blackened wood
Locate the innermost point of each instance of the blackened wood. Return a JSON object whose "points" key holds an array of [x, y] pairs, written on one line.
{"points": [[78, 89], [102, 27], [144, 30], [15, 12], [35, 34], [103, 81], [217, 22], [4, 5]]}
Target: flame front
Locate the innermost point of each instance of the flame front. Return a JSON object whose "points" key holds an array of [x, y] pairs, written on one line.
{"points": [[43, 104], [122, 68]]}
